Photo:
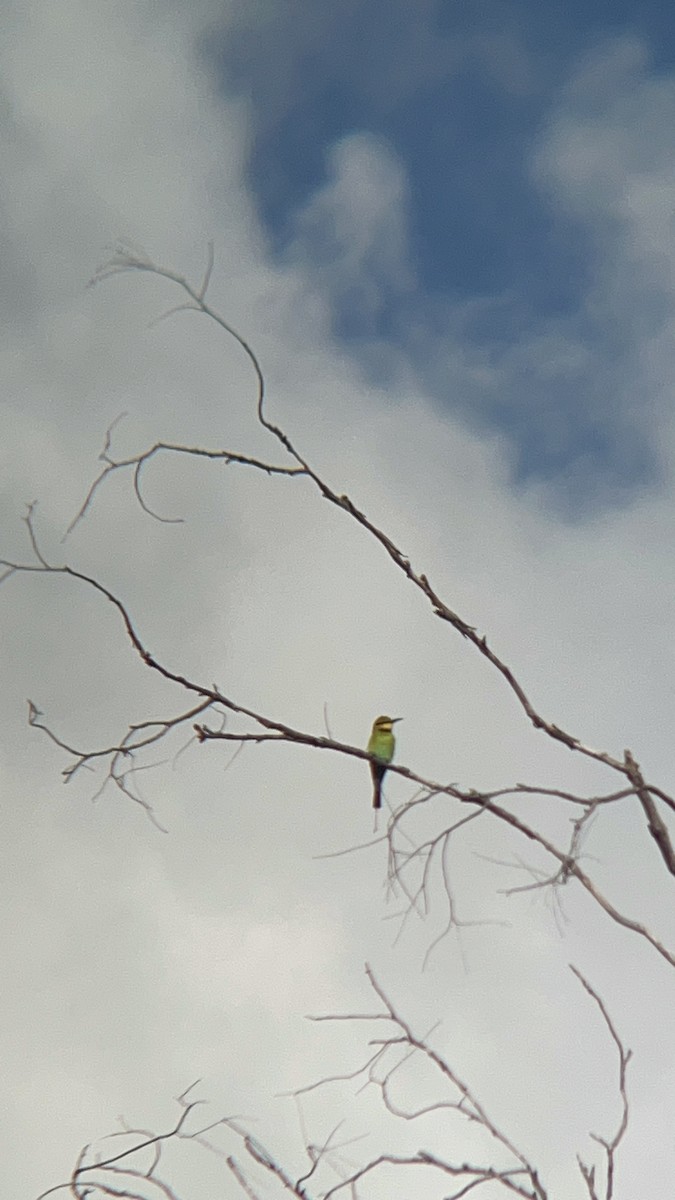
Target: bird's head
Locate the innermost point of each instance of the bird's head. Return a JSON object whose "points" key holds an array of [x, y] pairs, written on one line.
{"points": [[385, 724]]}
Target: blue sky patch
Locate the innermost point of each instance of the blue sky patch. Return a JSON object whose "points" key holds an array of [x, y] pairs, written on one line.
{"points": [[462, 94]]}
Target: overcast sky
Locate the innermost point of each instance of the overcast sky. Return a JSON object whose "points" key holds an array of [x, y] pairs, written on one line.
{"points": [[447, 229]]}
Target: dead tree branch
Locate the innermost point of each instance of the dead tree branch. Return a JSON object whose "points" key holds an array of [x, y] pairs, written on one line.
{"points": [[609, 1145], [520, 1177], [268, 729], [126, 258]]}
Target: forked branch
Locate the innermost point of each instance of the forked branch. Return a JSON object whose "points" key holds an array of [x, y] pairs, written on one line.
{"points": [[127, 258], [210, 697]]}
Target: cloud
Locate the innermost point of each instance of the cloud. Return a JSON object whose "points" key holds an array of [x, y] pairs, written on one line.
{"points": [[352, 233]]}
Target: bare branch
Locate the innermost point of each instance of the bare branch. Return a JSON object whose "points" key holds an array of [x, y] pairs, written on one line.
{"points": [[655, 824], [262, 1156], [212, 696], [149, 1140], [129, 258], [137, 462], [126, 259], [522, 1179], [424, 1159], [241, 1179], [121, 752], [610, 1145], [207, 274]]}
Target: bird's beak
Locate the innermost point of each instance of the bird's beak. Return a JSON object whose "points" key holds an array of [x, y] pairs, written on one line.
{"points": [[395, 719]]}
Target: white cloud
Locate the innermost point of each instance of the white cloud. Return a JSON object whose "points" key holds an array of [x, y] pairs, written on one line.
{"points": [[352, 233], [607, 159]]}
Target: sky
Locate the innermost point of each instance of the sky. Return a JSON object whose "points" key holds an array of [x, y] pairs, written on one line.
{"points": [[447, 231]]}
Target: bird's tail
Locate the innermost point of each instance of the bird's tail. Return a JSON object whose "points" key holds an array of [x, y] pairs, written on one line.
{"points": [[377, 791]]}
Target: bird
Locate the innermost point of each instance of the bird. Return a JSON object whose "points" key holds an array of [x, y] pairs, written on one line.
{"points": [[381, 746]]}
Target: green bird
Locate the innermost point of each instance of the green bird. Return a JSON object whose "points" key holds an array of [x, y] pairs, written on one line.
{"points": [[381, 745]]}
